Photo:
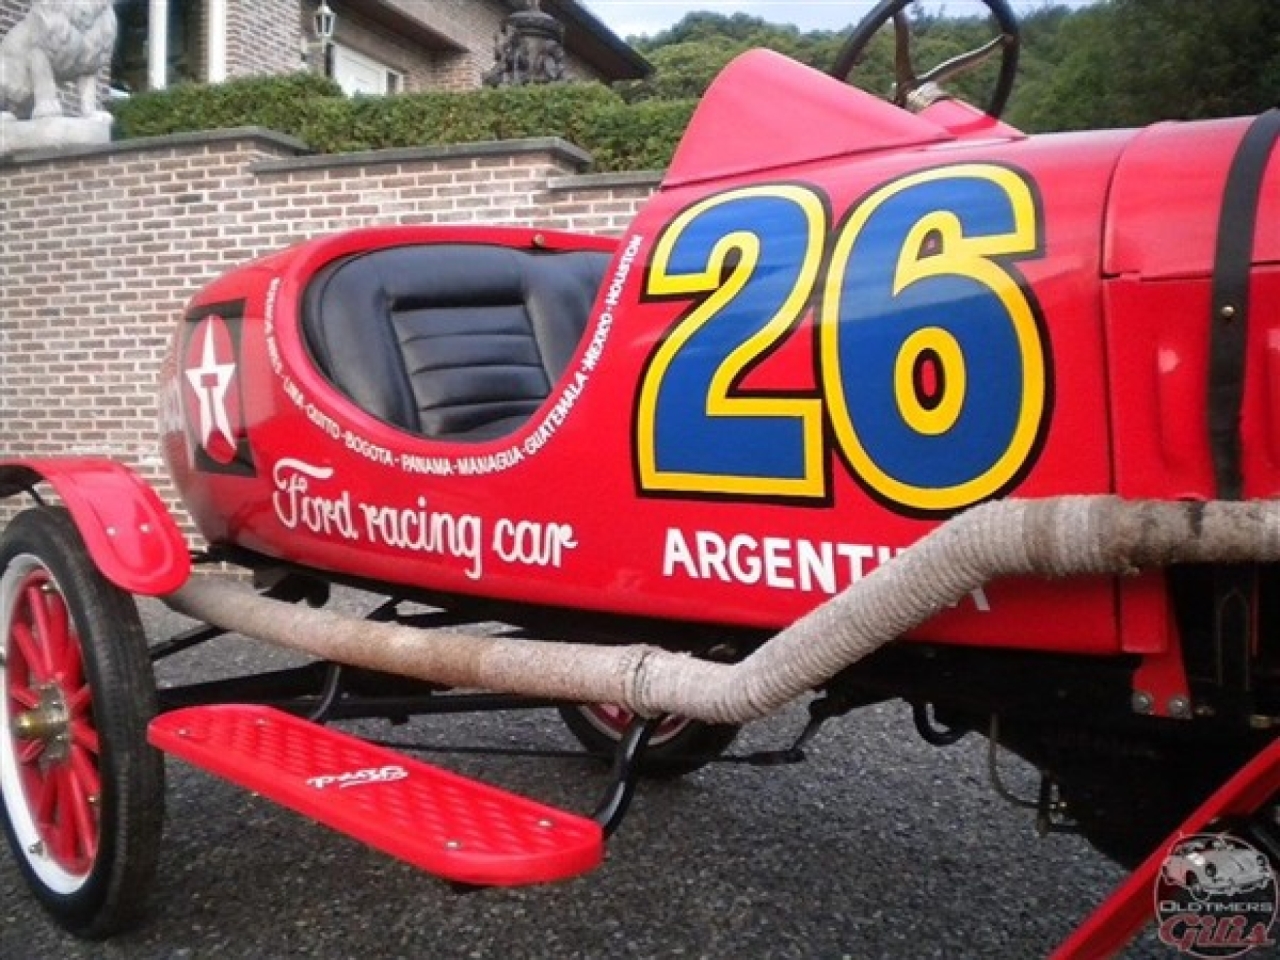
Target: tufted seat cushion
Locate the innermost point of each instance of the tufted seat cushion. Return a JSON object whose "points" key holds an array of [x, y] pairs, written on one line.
{"points": [[458, 342]]}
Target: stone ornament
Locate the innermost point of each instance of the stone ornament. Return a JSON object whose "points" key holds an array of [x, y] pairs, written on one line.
{"points": [[57, 41], [528, 49]]}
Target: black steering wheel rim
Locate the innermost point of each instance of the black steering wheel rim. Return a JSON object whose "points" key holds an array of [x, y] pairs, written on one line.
{"points": [[886, 10]]}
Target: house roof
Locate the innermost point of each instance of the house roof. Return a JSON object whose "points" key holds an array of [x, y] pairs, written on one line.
{"points": [[585, 35], [401, 21]]}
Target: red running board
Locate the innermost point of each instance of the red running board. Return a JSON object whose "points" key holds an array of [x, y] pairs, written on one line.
{"points": [[448, 825], [1127, 910]]}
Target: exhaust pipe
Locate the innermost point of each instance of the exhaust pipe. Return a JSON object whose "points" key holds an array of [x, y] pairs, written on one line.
{"points": [[1057, 537]]}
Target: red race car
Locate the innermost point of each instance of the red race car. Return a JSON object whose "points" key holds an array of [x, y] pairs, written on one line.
{"points": [[873, 400]]}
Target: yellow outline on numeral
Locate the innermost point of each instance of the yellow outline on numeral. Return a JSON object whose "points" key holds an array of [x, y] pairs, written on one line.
{"points": [[720, 403], [959, 256], [955, 381]]}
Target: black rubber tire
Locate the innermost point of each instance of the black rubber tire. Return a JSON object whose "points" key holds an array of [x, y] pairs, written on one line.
{"points": [[683, 750], [109, 895]]}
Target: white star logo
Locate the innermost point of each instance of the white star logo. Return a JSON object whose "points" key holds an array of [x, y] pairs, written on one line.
{"points": [[210, 381]]}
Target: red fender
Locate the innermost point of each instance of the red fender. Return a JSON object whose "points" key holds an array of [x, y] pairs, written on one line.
{"points": [[129, 533]]}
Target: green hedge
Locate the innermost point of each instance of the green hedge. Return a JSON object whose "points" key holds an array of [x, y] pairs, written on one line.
{"points": [[640, 136], [620, 136], [280, 103]]}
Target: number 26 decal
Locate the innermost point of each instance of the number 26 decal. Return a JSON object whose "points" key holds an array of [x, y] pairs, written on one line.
{"points": [[934, 373]]}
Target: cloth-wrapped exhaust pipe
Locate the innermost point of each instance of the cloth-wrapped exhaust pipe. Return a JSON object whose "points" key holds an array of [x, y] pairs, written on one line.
{"points": [[1057, 537]]}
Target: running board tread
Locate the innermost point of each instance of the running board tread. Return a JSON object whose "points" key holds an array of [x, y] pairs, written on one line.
{"points": [[448, 825]]}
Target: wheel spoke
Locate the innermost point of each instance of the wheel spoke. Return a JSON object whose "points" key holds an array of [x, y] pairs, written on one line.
{"points": [[46, 800], [30, 751], [84, 735], [22, 696], [61, 832], [80, 701], [37, 603], [82, 834], [29, 651], [64, 650], [86, 771]]}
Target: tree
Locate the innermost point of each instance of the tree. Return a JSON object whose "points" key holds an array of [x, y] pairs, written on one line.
{"points": [[1132, 62], [687, 56], [1115, 63], [683, 69]]}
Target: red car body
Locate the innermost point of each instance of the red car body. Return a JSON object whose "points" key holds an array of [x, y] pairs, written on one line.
{"points": [[793, 370], [835, 326]]}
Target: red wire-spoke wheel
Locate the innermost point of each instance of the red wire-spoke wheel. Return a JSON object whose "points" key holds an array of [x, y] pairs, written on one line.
{"points": [[53, 739], [677, 747], [82, 789]]}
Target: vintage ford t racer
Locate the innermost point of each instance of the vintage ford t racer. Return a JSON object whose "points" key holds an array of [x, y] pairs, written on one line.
{"points": [[873, 400]]}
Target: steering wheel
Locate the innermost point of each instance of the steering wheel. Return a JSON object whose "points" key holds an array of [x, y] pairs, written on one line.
{"points": [[914, 91]]}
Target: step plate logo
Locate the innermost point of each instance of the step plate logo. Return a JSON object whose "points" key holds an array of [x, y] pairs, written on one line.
{"points": [[359, 778]]}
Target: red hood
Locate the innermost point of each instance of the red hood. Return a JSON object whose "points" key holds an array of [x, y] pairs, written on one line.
{"points": [[766, 111]]}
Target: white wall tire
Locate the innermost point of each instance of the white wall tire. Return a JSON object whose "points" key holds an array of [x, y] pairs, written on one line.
{"points": [[82, 789]]}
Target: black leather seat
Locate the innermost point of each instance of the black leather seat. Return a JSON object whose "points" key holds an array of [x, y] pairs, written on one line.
{"points": [[457, 342]]}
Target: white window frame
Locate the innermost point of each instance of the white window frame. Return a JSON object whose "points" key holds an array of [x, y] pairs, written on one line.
{"points": [[393, 80], [216, 41], [158, 45]]}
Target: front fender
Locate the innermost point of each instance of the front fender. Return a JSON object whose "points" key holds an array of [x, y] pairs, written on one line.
{"points": [[129, 533]]}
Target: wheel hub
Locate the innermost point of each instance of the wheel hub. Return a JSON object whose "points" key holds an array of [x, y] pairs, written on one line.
{"points": [[49, 722]]}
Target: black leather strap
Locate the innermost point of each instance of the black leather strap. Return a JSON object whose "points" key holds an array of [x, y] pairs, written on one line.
{"points": [[1229, 325]]}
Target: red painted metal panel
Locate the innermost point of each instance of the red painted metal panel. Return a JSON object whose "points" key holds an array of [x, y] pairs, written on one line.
{"points": [[1158, 345], [797, 114], [1158, 348], [1266, 244], [125, 526], [1260, 416], [1167, 199], [539, 515], [965, 120], [446, 824]]}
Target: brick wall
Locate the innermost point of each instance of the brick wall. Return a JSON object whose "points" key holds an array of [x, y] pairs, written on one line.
{"points": [[263, 37], [101, 249], [419, 65], [470, 23]]}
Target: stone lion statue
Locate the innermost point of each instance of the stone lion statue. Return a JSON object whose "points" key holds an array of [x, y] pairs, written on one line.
{"points": [[58, 40]]}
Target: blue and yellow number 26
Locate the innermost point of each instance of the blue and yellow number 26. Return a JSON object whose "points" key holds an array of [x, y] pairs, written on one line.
{"points": [[934, 365], [750, 258]]}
